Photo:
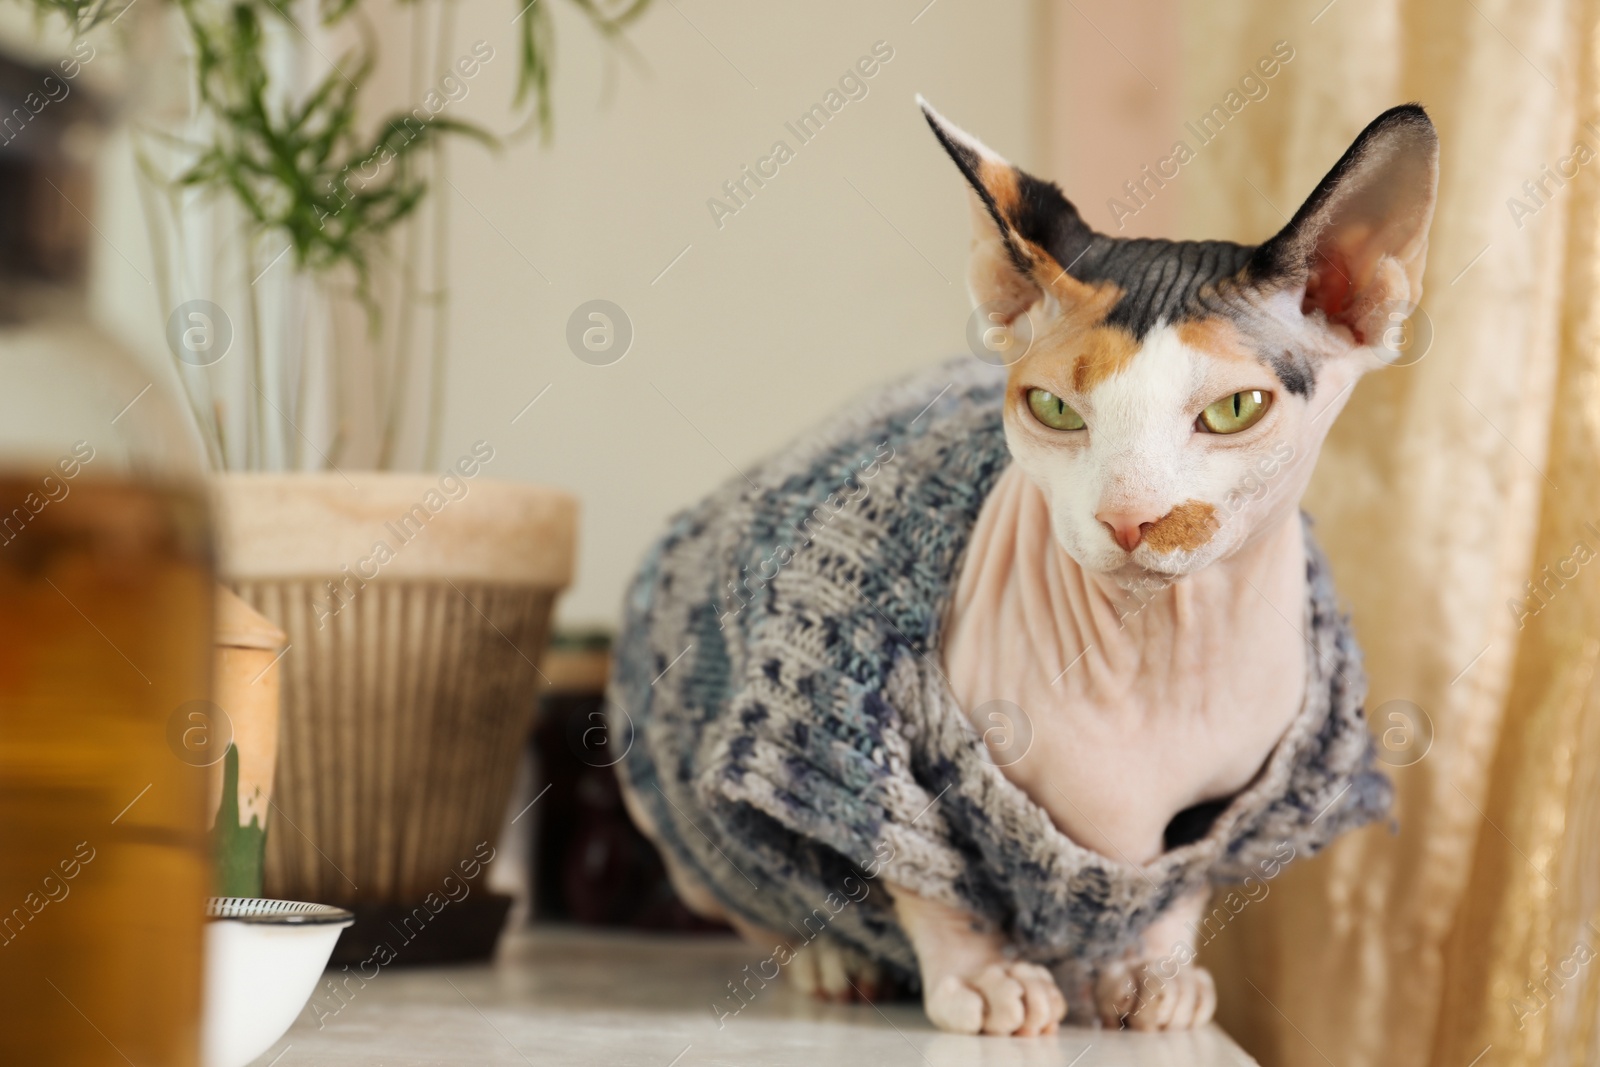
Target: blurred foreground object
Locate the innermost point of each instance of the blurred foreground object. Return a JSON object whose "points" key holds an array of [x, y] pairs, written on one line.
{"points": [[105, 639]]}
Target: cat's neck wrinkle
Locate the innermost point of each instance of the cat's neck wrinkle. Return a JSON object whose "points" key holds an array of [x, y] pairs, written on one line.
{"points": [[1023, 607]]}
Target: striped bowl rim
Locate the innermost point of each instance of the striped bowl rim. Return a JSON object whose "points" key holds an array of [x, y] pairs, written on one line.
{"points": [[275, 912]]}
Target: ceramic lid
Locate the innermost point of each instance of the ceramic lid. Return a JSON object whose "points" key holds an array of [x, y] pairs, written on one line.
{"points": [[241, 626]]}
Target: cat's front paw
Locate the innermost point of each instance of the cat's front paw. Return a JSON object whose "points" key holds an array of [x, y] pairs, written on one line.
{"points": [[1132, 995], [1006, 998]]}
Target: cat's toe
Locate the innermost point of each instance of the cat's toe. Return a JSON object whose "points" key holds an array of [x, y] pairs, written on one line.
{"points": [[1116, 993], [1183, 1002], [1043, 1004], [1009, 998], [955, 1006], [832, 971], [1004, 999], [803, 972], [1207, 1008], [1199, 1003]]}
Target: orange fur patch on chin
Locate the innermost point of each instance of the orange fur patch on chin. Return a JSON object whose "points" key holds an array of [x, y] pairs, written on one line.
{"points": [[1186, 527]]}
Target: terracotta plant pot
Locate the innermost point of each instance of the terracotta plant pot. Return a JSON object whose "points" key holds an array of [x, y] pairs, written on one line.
{"points": [[416, 608]]}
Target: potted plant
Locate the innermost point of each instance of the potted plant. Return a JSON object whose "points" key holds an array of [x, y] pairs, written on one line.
{"points": [[299, 260]]}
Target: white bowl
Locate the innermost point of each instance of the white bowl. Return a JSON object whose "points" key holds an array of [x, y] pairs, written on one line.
{"points": [[263, 959]]}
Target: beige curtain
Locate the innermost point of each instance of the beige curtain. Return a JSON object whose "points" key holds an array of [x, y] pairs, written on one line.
{"points": [[1472, 935]]}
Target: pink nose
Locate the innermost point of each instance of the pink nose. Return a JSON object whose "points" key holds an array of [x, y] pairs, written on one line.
{"points": [[1127, 528]]}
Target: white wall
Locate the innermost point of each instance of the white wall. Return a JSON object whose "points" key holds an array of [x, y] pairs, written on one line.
{"points": [[804, 298]]}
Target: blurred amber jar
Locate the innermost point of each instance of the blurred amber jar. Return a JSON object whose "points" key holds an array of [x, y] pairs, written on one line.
{"points": [[105, 644], [105, 610]]}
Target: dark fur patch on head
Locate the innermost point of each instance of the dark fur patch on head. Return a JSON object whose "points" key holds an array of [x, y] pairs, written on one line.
{"points": [[1047, 218], [1295, 373], [1162, 281], [1228, 338]]}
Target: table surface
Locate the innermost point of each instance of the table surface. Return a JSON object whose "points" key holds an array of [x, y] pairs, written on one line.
{"points": [[558, 996]]}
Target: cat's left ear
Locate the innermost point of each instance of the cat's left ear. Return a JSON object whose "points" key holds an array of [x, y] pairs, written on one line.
{"points": [[1025, 234], [1359, 242]]}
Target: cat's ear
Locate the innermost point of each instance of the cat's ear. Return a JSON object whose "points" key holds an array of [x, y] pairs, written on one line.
{"points": [[1359, 242], [1025, 234]]}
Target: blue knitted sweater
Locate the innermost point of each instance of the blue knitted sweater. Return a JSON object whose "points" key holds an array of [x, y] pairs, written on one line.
{"points": [[778, 691]]}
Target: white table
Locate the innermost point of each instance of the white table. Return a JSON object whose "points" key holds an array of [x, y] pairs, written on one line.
{"points": [[558, 996]]}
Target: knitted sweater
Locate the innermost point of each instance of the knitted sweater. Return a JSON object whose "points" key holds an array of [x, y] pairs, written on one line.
{"points": [[778, 691]]}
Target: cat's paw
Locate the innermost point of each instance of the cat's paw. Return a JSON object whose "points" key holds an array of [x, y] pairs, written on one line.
{"points": [[1132, 995], [1004, 998], [831, 971]]}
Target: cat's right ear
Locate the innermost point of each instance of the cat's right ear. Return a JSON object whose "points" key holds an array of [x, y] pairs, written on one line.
{"points": [[1358, 244], [1025, 234]]}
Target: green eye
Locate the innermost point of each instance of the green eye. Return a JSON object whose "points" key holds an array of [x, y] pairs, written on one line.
{"points": [[1053, 411], [1234, 413]]}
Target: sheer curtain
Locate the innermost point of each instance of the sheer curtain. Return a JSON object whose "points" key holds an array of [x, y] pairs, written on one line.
{"points": [[1471, 935]]}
